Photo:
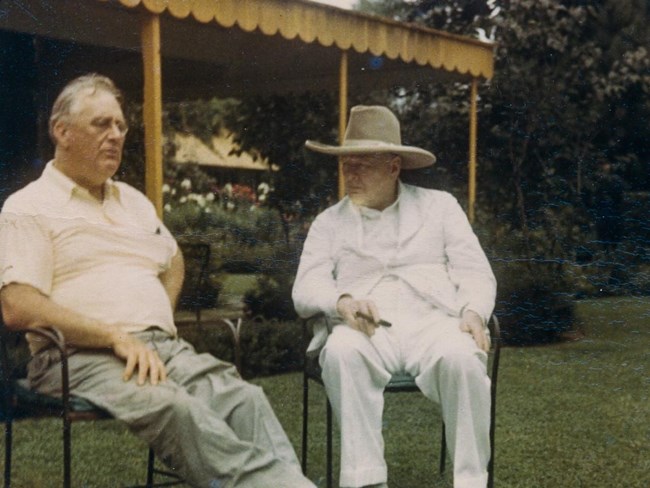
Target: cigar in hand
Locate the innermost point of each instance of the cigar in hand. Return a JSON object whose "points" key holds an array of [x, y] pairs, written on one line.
{"points": [[383, 323]]}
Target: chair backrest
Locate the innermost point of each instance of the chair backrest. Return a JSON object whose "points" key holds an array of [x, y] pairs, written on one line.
{"points": [[197, 293], [14, 356]]}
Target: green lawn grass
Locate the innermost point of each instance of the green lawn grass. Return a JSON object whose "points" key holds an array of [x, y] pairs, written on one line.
{"points": [[238, 284], [568, 415]]}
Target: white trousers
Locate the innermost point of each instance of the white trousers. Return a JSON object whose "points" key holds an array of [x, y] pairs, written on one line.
{"points": [[449, 369]]}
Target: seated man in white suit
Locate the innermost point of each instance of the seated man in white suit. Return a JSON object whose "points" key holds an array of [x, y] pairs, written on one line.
{"points": [[398, 254]]}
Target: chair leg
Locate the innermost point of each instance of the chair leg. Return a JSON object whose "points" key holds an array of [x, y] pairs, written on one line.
{"points": [[150, 468], [443, 449], [329, 444], [490, 483], [8, 444], [305, 421], [67, 454]]}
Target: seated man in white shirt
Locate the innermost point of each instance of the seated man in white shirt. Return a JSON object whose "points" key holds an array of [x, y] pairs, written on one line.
{"points": [[394, 253], [90, 256]]}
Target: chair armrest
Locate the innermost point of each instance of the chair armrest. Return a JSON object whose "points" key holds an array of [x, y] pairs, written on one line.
{"points": [[235, 332], [54, 335], [58, 341], [495, 336], [495, 333], [306, 332]]}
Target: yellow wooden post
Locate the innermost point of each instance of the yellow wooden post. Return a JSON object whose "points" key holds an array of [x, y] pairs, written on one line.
{"points": [[152, 110], [472, 152], [343, 111]]}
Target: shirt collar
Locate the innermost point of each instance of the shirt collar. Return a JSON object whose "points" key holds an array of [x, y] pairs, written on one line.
{"points": [[67, 188]]}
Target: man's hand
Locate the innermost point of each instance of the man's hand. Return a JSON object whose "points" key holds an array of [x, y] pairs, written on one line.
{"points": [[138, 355], [471, 322], [348, 307]]}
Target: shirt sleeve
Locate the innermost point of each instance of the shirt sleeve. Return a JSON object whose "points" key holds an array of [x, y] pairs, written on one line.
{"points": [[315, 288], [26, 252], [468, 266]]}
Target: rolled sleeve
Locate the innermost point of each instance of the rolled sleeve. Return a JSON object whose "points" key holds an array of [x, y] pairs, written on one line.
{"points": [[26, 253]]}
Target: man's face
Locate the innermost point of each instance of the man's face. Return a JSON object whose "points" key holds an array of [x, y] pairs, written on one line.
{"points": [[93, 137], [370, 179]]}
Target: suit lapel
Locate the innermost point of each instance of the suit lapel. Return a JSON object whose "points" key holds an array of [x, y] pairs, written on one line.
{"points": [[410, 211], [350, 227]]}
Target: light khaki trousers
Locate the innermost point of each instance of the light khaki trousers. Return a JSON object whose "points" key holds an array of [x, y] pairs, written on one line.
{"points": [[449, 369], [205, 422]]}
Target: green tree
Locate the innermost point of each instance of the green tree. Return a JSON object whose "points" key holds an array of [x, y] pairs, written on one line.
{"points": [[277, 127], [555, 106], [570, 88]]}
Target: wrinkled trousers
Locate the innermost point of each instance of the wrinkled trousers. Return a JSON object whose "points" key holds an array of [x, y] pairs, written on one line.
{"points": [[205, 422], [448, 368]]}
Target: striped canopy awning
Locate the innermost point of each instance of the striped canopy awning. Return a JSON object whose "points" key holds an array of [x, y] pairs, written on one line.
{"points": [[174, 49]]}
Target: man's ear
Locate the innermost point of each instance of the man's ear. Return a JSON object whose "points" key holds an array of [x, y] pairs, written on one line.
{"points": [[61, 133], [395, 166]]}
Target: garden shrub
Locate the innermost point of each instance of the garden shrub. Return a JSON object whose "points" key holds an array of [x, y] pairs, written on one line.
{"points": [[271, 347], [535, 284], [534, 302], [271, 298]]}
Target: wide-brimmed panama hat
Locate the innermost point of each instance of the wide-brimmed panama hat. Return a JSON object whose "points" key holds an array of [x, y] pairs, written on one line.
{"points": [[375, 129]]}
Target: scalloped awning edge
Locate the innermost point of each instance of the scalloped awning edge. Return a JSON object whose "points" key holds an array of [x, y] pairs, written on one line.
{"points": [[314, 22]]}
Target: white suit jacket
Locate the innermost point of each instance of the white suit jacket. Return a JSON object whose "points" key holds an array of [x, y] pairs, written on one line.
{"points": [[438, 255]]}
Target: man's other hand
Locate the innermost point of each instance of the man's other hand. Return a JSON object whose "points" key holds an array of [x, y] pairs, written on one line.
{"points": [[348, 307], [138, 356], [472, 323]]}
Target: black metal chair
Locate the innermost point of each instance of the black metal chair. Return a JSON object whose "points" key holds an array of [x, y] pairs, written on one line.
{"points": [[194, 295], [18, 402], [398, 383], [198, 295]]}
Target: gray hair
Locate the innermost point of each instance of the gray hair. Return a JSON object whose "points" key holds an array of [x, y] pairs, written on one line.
{"points": [[73, 91]]}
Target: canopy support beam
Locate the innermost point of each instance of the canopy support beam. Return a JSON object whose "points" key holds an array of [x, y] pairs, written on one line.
{"points": [[343, 111], [152, 110], [472, 152]]}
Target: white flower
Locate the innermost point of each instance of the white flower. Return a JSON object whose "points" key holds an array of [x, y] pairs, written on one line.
{"points": [[230, 206], [210, 197], [200, 199], [166, 188], [168, 207], [183, 200], [263, 187], [173, 191], [186, 184]]}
